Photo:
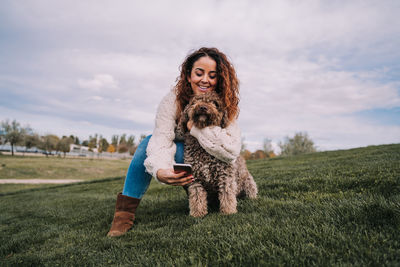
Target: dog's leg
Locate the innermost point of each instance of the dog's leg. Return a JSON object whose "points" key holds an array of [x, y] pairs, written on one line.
{"points": [[197, 200], [250, 187], [227, 195]]}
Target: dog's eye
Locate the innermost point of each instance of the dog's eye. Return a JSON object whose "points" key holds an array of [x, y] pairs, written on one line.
{"points": [[216, 104]]}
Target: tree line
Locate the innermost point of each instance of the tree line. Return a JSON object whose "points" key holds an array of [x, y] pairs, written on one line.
{"points": [[15, 134], [300, 143]]}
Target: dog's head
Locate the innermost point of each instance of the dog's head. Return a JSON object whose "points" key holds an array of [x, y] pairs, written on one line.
{"points": [[206, 110]]}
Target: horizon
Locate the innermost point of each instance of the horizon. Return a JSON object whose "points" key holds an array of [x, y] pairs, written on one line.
{"points": [[276, 147]]}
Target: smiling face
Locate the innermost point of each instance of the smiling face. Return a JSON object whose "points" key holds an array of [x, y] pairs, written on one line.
{"points": [[203, 77]]}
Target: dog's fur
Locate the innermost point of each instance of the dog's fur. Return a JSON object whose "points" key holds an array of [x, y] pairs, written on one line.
{"points": [[212, 176]]}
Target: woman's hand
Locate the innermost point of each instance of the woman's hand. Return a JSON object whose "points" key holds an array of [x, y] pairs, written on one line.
{"points": [[168, 176], [189, 125]]}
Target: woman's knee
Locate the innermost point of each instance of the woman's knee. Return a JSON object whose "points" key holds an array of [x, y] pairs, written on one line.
{"points": [[145, 141], [143, 144], [140, 153]]}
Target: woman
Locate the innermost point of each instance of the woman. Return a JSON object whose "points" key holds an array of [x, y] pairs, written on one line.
{"points": [[206, 69]]}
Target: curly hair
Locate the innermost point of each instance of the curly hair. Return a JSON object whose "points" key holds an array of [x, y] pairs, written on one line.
{"points": [[227, 82]]}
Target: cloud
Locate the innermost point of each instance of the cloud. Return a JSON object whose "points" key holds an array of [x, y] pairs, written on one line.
{"points": [[100, 81], [295, 96], [308, 87]]}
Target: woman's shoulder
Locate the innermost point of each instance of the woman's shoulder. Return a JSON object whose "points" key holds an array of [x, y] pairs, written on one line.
{"points": [[170, 97], [167, 104]]}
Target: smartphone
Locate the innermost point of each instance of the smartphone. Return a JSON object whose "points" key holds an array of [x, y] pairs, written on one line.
{"points": [[179, 167]]}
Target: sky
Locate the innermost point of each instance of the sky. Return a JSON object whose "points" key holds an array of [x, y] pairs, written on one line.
{"points": [[327, 68]]}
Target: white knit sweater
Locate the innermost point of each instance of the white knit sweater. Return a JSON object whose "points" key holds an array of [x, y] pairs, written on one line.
{"points": [[223, 144]]}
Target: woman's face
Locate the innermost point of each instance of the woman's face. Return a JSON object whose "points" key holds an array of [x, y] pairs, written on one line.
{"points": [[203, 77]]}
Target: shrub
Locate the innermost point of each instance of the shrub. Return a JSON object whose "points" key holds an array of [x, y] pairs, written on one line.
{"points": [[299, 144]]}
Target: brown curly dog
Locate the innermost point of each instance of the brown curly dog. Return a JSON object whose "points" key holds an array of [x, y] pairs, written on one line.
{"points": [[212, 176]]}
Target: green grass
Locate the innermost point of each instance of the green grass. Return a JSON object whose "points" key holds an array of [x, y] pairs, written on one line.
{"points": [[10, 188], [321, 209], [19, 167], [35, 167]]}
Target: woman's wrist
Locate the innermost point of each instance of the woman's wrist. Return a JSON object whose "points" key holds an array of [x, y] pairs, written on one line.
{"points": [[168, 176], [158, 174]]}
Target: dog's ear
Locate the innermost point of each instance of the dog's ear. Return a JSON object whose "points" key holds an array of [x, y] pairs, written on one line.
{"points": [[181, 128], [185, 115], [182, 124], [225, 120]]}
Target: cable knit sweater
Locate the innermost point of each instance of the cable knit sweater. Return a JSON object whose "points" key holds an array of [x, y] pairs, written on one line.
{"points": [[224, 144]]}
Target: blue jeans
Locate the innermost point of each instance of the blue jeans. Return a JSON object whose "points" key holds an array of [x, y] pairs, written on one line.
{"points": [[137, 179]]}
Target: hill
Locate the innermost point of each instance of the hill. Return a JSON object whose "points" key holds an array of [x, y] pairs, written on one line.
{"points": [[327, 208]]}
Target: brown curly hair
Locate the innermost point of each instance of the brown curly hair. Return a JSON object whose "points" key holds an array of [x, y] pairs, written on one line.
{"points": [[227, 82]]}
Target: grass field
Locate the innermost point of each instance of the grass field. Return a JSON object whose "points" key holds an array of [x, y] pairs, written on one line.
{"points": [[19, 167], [321, 209]]}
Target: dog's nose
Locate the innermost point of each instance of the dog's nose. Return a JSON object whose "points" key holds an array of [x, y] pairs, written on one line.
{"points": [[203, 108]]}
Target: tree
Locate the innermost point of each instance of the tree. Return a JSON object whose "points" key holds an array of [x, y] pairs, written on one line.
{"points": [[75, 139], [122, 139], [49, 143], [246, 154], [259, 154], [122, 148], [13, 133], [111, 148], [299, 144], [64, 145], [131, 141], [243, 147], [103, 144], [267, 146], [2, 141], [132, 150], [92, 142], [114, 140], [31, 140], [131, 145]]}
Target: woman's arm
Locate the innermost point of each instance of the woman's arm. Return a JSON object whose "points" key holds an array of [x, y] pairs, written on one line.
{"points": [[161, 148], [222, 143]]}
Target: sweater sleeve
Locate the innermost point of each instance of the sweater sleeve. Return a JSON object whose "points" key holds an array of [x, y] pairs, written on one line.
{"points": [[224, 144], [161, 148]]}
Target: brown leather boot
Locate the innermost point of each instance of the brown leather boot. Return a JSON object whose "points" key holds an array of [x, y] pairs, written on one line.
{"points": [[124, 215]]}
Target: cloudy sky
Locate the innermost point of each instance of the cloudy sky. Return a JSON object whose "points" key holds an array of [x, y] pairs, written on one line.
{"points": [[328, 68]]}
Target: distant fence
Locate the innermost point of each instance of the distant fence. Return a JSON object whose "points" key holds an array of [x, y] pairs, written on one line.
{"points": [[82, 154]]}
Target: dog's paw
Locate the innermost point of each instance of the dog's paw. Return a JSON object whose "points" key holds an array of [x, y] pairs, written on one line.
{"points": [[228, 210], [198, 213], [252, 195]]}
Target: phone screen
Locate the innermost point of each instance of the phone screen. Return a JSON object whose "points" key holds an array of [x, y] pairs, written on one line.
{"points": [[183, 168]]}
